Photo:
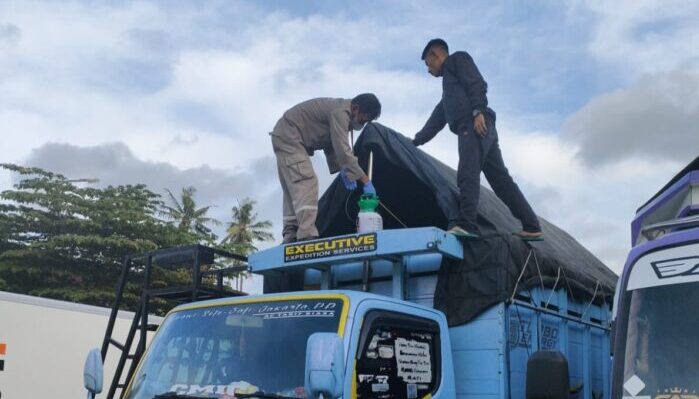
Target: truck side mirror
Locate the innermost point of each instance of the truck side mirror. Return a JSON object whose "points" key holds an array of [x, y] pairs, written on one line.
{"points": [[325, 366], [547, 376], [92, 373]]}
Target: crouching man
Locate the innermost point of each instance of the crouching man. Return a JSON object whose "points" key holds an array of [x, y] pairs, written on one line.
{"points": [[318, 124]]}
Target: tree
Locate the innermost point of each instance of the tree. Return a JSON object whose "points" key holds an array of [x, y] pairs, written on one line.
{"points": [[66, 242], [245, 230], [185, 213]]}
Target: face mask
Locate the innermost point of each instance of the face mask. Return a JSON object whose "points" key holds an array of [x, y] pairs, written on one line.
{"points": [[355, 125]]}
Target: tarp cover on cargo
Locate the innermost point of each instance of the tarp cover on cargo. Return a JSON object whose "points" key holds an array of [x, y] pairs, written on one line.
{"points": [[421, 191]]}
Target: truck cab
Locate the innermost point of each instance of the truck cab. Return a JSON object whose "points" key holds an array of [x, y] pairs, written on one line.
{"points": [[655, 348], [389, 345]]}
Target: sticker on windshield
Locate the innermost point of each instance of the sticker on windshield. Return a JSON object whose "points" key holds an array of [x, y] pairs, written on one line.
{"points": [[634, 385], [318, 309], [677, 393], [229, 390], [413, 360], [330, 247], [386, 351], [378, 388], [246, 314], [676, 267]]}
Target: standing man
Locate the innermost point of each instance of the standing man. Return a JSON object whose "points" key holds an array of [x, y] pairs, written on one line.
{"points": [[318, 124], [464, 106]]}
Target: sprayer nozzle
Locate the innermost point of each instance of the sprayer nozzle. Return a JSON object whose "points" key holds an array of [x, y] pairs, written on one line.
{"points": [[368, 202]]}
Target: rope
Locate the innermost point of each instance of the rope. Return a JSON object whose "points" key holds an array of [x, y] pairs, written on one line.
{"points": [[392, 214], [592, 300], [536, 262], [520, 275], [349, 194], [548, 301], [570, 290]]}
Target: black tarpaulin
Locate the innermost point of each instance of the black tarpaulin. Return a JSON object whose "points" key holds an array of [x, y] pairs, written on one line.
{"points": [[421, 191]]}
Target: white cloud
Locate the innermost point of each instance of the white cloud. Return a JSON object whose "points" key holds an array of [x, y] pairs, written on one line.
{"points": [[654, 119], [645, 36], [594, 204]]}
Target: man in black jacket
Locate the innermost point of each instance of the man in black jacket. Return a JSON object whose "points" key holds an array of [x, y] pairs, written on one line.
{"points": [[464, 106]]}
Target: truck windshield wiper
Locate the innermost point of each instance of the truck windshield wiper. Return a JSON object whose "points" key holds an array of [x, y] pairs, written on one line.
{"points": [[263, 395], [175, 395]]}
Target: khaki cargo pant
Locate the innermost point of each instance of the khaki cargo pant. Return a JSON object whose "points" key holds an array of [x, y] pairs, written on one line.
{"points": [[299, 187]]}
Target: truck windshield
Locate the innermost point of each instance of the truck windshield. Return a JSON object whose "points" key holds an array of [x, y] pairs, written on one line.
{"points": [[240, 348], [662, 352]]}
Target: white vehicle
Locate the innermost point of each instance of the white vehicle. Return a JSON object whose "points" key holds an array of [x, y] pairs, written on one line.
{"points": [[44, 343]]}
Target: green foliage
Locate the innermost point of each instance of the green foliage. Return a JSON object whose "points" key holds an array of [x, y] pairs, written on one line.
{"points": [[66, 242], [184, 212], [244, 229]]}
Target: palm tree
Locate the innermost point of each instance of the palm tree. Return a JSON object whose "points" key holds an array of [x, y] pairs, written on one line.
{"points": [[245, 230], [242, 233], [189, 218]]}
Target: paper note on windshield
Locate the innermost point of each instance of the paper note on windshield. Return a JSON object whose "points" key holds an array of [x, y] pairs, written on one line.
{"points": [[413, 360]]}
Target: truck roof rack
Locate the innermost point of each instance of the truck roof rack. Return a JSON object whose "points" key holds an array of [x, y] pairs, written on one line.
{"points": [[325, 253], [192, 258]]}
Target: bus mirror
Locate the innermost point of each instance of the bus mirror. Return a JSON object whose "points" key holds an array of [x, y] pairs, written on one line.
{"points": [[325, 366], [92, 373], [547, 376]]}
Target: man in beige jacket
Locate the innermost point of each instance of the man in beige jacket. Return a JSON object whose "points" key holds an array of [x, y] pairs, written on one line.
{"points": [[318, 124]]}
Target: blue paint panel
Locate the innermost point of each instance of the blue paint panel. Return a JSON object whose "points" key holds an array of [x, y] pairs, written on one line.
{"points": [[575, 355], [584, 343], [486, 332], [422, 287], [477, 365]]}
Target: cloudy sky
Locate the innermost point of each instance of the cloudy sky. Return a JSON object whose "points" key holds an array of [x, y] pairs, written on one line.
{"points": [[597, 101]]}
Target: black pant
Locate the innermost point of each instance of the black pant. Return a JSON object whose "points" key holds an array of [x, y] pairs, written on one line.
{"points": [[478, 154]]}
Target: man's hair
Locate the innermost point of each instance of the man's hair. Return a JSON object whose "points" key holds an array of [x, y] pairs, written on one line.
{"points": [[368, 104], [435, 43]]}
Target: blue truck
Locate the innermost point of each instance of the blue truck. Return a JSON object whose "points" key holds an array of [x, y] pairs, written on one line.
{"points": [[405, 312], [656, 349], [342, 339]]}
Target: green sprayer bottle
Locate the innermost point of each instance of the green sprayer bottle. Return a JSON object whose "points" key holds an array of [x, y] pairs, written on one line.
{"points": [[368, 219]]}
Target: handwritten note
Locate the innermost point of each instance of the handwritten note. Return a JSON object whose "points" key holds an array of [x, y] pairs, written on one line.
{"points": [[413, 361]]}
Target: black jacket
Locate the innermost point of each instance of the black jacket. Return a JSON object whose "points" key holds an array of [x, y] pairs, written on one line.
{"points": [[463, 91]]}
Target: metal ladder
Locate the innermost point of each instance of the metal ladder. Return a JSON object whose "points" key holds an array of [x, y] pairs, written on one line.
{"points": [[194, 256]]}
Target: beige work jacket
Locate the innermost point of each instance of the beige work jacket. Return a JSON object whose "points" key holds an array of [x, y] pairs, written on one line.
{"points": [[322, 124]]}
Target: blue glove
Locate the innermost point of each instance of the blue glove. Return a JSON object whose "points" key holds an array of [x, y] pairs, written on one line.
{"points": [[369, 188], [350, 185]]}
